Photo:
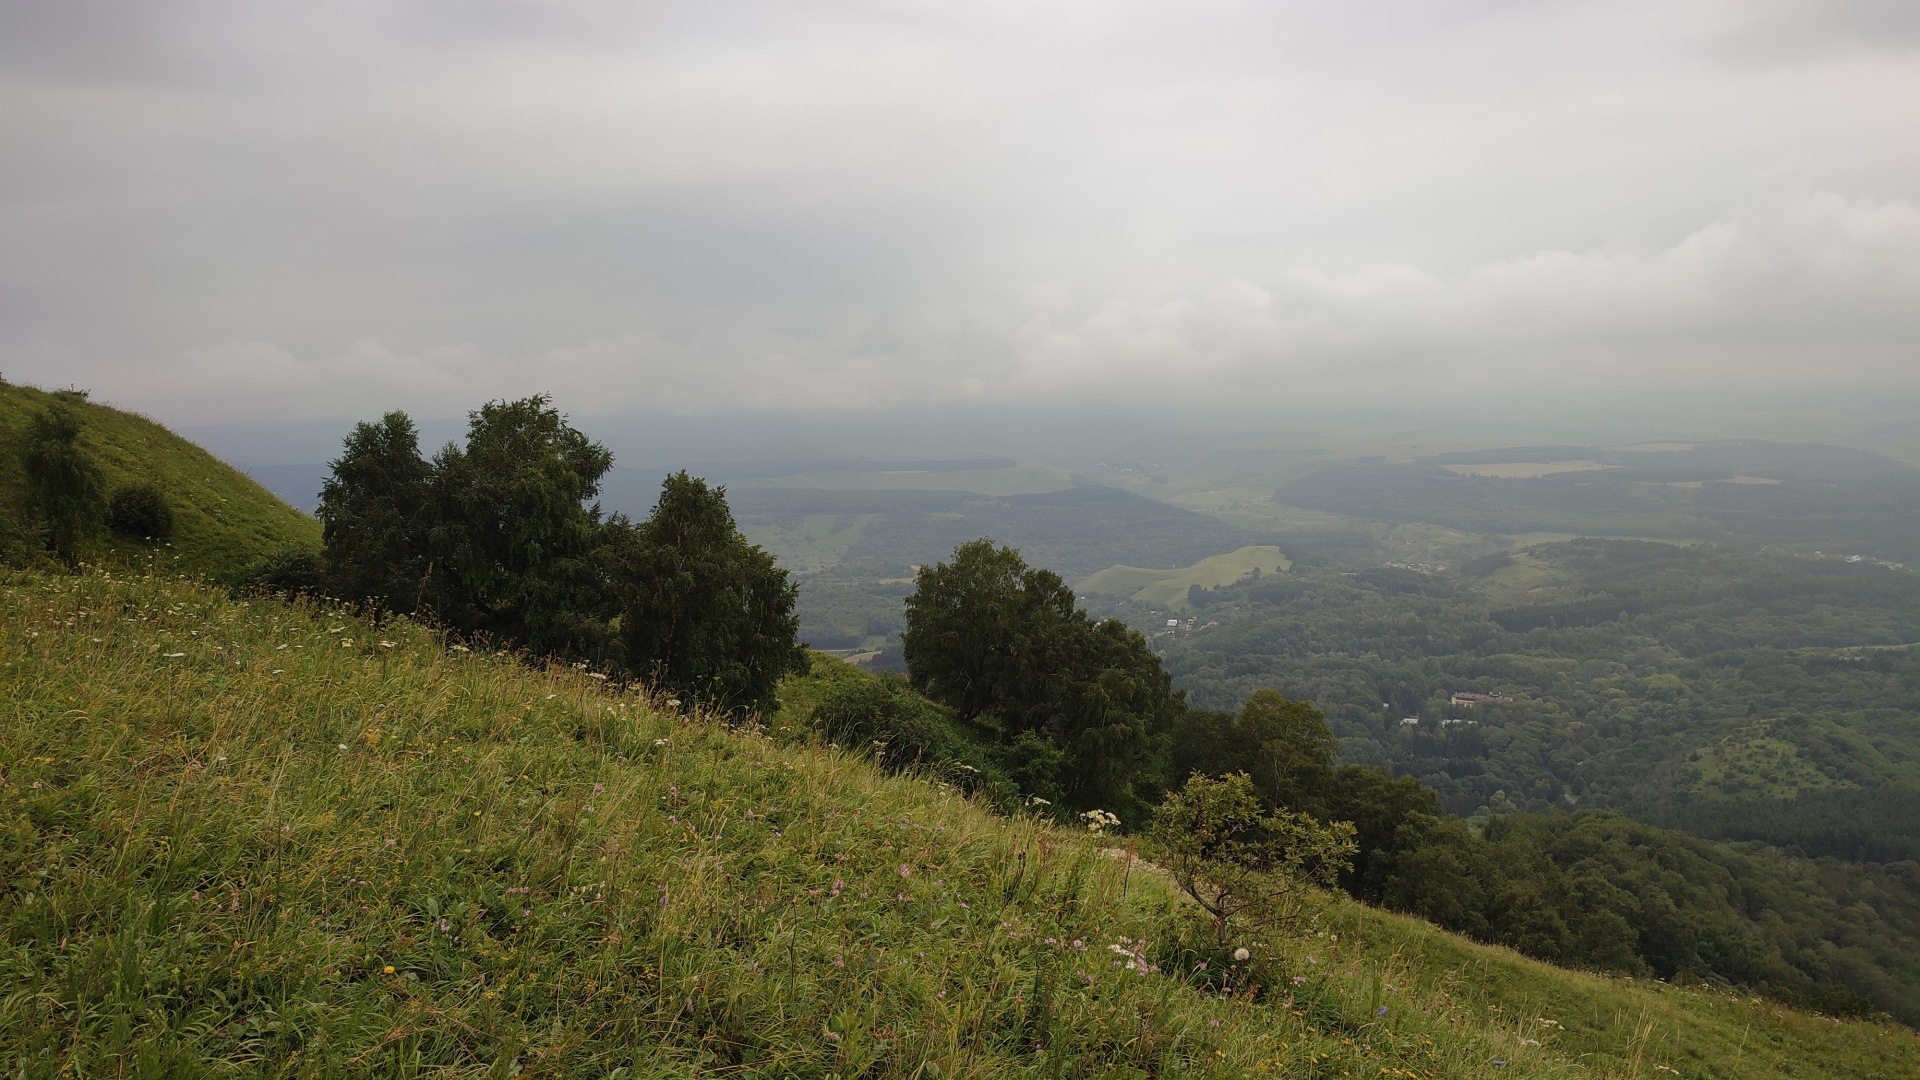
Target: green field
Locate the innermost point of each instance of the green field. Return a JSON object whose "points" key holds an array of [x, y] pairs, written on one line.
{"points": [[1168, 588], [223, 521], [242, 838], [814, 542]]}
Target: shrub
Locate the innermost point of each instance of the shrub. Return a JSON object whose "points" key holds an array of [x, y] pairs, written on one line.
{"points": [[140, 511], [901, 730], [63, 483], [1234, 860], [882, 715], [290, 571]]}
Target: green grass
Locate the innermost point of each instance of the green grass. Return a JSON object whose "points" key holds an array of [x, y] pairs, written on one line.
{"points": [[223, 521], [1754, 764], [252, 839], [1168, 588]]}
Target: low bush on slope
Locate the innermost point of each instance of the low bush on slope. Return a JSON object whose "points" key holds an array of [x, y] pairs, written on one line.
{"points": [[249, 838]]}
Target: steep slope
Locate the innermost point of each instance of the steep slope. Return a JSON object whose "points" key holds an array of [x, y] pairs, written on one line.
{"points": [[223, 521], [255, 839]]}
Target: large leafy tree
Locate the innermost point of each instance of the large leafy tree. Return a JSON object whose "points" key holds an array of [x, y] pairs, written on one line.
{"points": [[1005, 646], [496, 538], [372, 515], [1284, 746], [63, 484], [705, 614], [514, 550]]}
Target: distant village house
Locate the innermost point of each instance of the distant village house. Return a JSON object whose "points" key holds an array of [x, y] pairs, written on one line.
{"points": [[1475, 697]]}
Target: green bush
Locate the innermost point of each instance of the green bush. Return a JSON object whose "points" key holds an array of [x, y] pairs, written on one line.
{"points": [[883, 718], [291, 571], [140, 511]]}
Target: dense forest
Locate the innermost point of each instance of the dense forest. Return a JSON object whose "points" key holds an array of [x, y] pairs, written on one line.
{"points": [[1734, 694]]}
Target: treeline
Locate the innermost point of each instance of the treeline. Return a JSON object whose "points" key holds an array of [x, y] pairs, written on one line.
{"points": [[499, 540], [1045, 701], [1587, 889]]}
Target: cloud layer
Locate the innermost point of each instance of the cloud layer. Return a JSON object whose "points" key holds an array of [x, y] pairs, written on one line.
{"points": [[326, 210]]}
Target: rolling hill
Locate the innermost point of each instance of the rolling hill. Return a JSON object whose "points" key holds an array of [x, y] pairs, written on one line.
{"points": [[223, 521]]}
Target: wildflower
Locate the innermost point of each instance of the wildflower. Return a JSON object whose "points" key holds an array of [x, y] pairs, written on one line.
{"points": [[1381, 1011], [1241, 954], [343, 746], [905, 870], [388, 970]]}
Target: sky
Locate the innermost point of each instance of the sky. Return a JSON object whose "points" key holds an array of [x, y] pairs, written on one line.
{"points": [[213, 210]]}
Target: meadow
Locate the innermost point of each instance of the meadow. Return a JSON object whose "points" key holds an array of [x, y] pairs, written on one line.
{"points": [[242, 837], [1168, 588]]}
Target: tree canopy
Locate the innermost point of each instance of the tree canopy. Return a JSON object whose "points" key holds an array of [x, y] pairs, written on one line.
{"points": [[499, 539], [704, 613], [1006, 647]]}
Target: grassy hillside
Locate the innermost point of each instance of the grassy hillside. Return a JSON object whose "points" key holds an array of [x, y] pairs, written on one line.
{"points": [[250, 839], [1168, 588], [223, 521]]}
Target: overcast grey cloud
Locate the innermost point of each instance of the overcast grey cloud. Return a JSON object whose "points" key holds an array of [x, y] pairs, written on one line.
{"points": [[212, 209]]}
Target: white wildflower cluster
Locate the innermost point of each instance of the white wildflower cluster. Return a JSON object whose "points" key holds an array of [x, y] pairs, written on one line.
{"points": [[1099, 821], [1133, 956]]}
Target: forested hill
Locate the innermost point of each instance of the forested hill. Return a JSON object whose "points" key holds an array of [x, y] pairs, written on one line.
{"points": [[1740, 695]]}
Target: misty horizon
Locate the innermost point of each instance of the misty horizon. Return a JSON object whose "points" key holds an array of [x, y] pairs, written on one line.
{"points": [[219, 212]]}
